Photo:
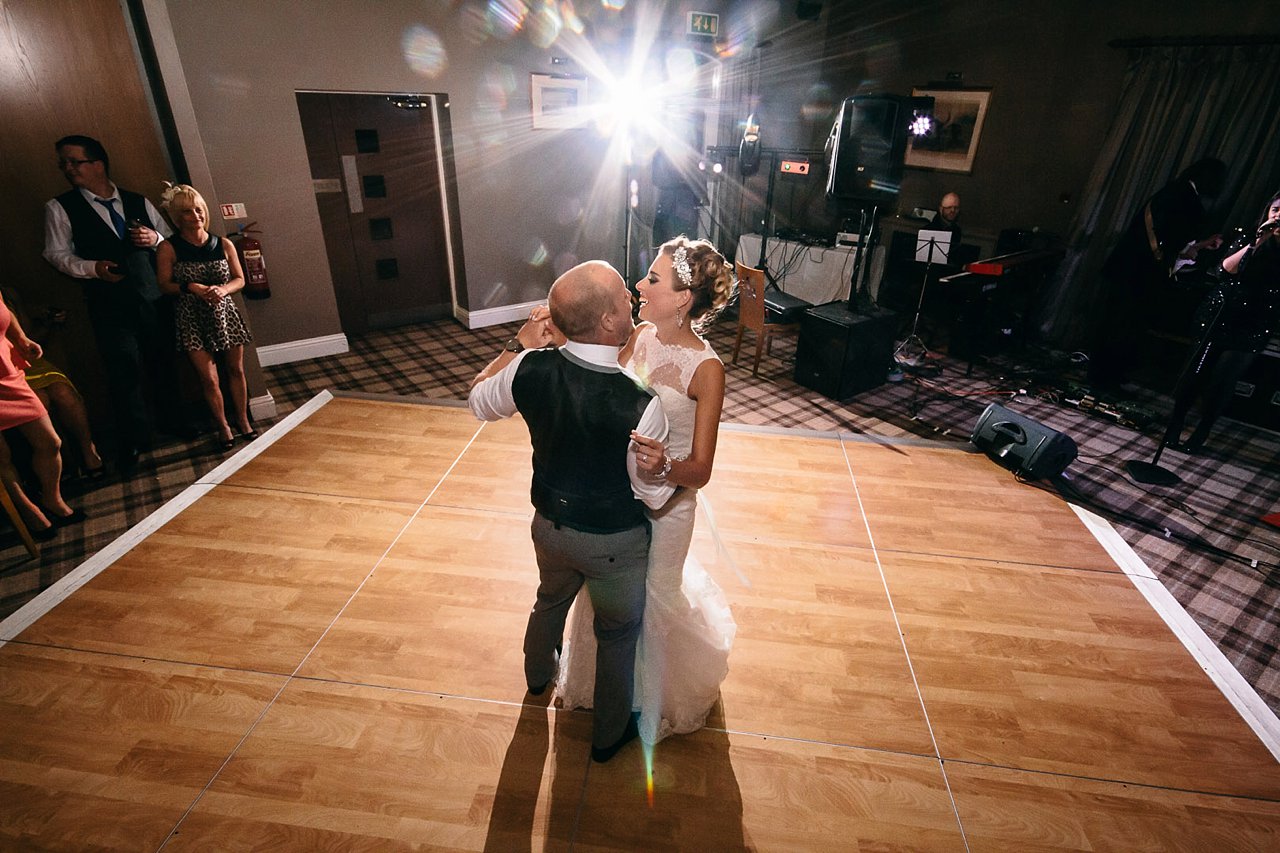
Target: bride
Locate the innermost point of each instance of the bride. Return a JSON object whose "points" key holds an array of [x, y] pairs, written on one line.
{"points": [[684, 644]]}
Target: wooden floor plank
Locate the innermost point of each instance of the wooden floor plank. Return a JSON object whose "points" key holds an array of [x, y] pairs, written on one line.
{"points": [[444, 613], [494, 472], [940, 500], [239, 579], [364, 449], [1067, 671], [814, 626], [789, 488], [715, 791], [102, 752], [1036, 813], [338, 767]]}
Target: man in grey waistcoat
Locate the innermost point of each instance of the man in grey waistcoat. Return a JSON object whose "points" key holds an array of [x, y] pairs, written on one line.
{"points": [[589, 524]]}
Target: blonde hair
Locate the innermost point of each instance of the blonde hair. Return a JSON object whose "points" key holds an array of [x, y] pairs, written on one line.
{"points": [[710, 279], [182, 192]]}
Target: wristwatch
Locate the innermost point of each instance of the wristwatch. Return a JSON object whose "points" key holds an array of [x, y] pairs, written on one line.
{"points": [[513, 345]]}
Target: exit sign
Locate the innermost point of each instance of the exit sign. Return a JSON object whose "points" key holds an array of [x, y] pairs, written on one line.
{"points": [[704, 24]]}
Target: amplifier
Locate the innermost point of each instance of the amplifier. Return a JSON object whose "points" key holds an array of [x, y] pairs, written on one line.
{"points": [[841, 353]]}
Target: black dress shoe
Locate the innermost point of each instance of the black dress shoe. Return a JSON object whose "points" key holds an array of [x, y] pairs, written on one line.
{"points": [[602, 754], [128, 462], [540, 689]]}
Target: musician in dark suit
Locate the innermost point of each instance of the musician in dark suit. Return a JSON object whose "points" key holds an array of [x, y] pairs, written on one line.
{"points": [[105, 236], [1233, 325], [1166, 233]]}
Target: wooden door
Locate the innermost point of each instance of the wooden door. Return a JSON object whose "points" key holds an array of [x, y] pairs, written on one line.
{"points": [[375, 167]]}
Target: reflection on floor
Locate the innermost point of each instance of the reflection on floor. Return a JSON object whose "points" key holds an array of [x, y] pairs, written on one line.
{"points": [[317, 646]]}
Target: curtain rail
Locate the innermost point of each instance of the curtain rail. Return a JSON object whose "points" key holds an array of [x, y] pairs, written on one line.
{"points": [[1193, 41]]}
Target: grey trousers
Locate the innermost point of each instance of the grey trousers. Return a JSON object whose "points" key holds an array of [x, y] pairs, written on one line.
{"points": [[613, 567]]}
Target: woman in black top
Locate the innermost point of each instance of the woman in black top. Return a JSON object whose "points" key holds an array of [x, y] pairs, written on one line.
{"points": [[203, 270], [1234, 323]]}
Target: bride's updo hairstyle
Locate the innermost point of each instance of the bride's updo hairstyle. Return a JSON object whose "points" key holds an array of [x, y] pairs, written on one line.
{"points": [[698, 268]]}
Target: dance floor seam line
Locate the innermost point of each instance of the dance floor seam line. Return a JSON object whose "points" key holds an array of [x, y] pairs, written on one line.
{"points": [[289, 679], [902, 641], [1110, 780]]}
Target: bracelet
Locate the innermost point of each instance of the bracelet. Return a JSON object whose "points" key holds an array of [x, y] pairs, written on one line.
{"points": [[185, 287]]}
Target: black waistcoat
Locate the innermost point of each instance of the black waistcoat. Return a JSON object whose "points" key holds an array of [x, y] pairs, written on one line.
{"points": [[95, 240], [580, 419]]}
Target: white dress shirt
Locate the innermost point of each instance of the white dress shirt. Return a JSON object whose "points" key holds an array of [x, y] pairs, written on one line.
{"points": [[491, 400], [59, 248]]}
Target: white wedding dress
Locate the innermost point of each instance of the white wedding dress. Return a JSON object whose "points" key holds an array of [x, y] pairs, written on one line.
{"points": [[683, 654]]}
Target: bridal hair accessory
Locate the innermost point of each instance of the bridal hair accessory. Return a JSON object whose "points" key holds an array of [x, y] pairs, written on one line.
{"points": [[680, 262]]}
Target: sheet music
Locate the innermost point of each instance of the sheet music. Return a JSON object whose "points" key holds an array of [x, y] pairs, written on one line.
{"points": [[937, 242]]}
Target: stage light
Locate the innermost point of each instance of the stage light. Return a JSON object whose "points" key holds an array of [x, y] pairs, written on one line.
{"points": [[921, 125]]}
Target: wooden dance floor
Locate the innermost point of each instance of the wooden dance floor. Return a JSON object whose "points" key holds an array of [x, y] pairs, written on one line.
{"points": [[317, 647]]}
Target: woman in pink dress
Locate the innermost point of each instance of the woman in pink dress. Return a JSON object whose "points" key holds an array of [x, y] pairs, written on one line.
{"points": [[21, 408]]}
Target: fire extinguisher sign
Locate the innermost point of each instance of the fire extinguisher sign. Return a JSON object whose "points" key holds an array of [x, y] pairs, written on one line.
{"points": [[233, 211]]}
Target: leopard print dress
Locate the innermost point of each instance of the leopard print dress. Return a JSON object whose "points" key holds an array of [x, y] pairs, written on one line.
{"points": [[201, 326]]}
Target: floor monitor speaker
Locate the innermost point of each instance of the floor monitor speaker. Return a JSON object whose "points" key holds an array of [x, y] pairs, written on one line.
{"points": [[1027, 447], [842, 353]]}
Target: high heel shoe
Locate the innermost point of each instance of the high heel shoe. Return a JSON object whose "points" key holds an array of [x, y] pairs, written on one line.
{"points": [[56, 521]]}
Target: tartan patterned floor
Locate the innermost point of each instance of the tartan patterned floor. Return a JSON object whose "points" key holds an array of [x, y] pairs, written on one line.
{"points": [[1200, 537]]}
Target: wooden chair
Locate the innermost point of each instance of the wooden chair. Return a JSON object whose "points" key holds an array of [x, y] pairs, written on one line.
{"points": [[753, 315], [19, 525]]}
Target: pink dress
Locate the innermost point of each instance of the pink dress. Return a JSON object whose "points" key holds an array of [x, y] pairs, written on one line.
{"points": [[18, 403]]}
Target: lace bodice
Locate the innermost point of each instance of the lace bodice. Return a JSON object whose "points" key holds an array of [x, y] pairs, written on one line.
{"points": [[669, 370]]}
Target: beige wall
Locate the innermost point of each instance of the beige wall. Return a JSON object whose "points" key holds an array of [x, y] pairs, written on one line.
{"points": [[524, 195]]}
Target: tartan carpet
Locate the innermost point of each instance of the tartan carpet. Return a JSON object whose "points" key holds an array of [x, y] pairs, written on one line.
{"points": [[1203, 537]]}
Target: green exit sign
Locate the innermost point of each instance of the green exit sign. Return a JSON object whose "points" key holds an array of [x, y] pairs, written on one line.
{"points": [[704, 24]]}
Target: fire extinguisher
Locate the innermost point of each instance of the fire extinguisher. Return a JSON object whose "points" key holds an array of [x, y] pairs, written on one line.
{"points": [[251, 260]]}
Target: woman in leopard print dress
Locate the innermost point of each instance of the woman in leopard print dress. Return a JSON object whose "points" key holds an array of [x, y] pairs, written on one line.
{"points": [[203, 270]]}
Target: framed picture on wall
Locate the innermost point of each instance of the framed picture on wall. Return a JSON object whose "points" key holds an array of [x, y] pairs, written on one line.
{"points": [[958, 115], [558, 102]]}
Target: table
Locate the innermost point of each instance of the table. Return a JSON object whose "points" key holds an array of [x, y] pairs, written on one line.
{"points": [[816, 274]]}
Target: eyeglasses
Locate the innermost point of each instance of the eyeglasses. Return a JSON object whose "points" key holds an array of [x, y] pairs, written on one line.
{"points": [[67, 161]]}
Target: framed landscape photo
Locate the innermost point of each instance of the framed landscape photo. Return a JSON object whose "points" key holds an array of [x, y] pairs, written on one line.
{"points": [[558, 102], [958, 115]]}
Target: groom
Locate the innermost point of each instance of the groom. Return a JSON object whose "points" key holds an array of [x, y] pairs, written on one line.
{"points": [[589, 524]]}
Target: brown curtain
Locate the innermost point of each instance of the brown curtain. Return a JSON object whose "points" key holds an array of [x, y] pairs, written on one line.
{"points": [[1178, 105]]}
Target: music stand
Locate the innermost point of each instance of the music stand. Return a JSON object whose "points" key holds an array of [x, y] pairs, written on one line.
{"points": [[931, 247]]}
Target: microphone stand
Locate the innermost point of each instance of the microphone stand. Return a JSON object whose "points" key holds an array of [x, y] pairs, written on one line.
{"points": [[1150, 473]]}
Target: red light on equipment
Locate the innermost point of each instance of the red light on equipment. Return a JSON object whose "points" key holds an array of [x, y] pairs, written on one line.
{"points": [[794, 167]]}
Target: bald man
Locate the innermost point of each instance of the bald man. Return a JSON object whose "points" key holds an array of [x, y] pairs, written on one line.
{"points": [[589, 525], [948, 214]]}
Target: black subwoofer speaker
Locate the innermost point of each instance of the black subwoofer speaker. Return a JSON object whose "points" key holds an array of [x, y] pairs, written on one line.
{"points": [[1022, 445], [841, 353]]}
